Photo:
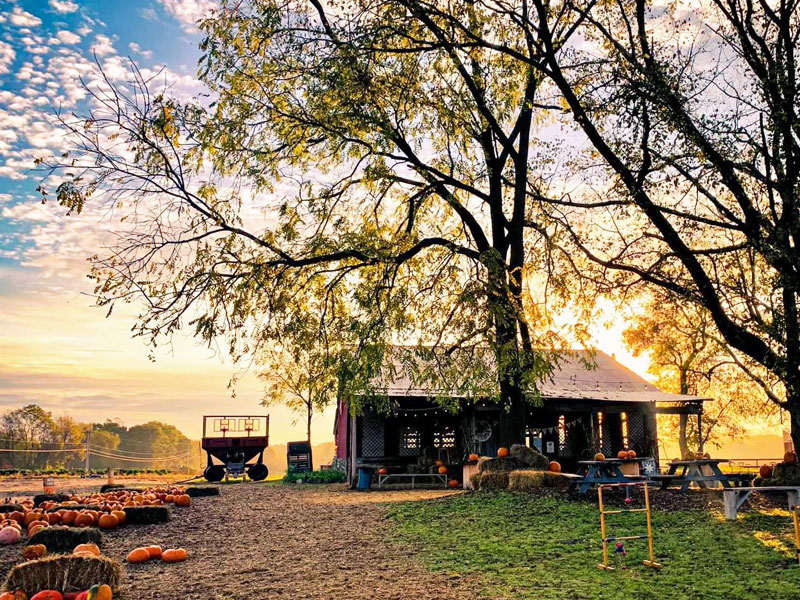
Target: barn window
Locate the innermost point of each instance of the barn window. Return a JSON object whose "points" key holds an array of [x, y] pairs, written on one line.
{"points": [[444, 439], [410, 441]]}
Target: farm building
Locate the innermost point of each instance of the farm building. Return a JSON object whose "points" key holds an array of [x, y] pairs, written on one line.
{"points": [[589, 404]]}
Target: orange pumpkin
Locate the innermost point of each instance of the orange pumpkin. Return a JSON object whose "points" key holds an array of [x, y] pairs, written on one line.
{"points": [[174, 555], [34, 551], [120, 514], [154, 551], [439, 463], [554, 467], [48, 595], [382, 471], [473, 458], [600, 456], [68, 517], [502, 452], [93, 548], [622, 454], [54, 518], [138, 555], [442, 470], [108, 522], [631, 453], [84, 520], [183, 500], [790, 458], [33, 529], [16, 595], [452, 484], [765, 471], [17, 516], [30, 517]]}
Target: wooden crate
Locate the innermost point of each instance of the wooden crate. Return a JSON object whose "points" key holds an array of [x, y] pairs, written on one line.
{"points": [[631, 469]]}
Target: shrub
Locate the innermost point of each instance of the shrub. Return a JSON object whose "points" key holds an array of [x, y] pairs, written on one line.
{"points": [[328, 476]]}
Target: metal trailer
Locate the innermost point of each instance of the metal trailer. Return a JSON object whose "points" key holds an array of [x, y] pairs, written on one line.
{"points": [[235, 441]]}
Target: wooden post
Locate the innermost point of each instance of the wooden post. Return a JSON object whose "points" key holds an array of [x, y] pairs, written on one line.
{"points": [[796, 521], [605, 564], [353, 433]]}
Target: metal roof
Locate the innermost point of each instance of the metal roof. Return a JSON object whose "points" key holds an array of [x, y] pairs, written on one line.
{"points": [[578, 375]]}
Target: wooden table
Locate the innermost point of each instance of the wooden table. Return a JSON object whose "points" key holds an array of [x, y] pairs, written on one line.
{"points": [[687, 472], [735, 497], [606, 471]]}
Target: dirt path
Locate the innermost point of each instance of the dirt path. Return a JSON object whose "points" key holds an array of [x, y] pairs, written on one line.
{"points": [[279, 542]]}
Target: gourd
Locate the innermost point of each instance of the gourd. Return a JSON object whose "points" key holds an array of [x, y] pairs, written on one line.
{"points": [[138, 555], [99, 592], [502, 452], [174, 555]]}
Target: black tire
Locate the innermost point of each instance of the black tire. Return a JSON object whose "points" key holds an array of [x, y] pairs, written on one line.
{"points": [[214, 472], [258, 472]]}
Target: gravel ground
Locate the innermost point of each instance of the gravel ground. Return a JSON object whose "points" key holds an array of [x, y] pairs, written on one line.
{"points": [[258, 541]]}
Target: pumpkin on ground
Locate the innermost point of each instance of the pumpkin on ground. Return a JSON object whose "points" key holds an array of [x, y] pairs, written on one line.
{"points": [[452, 484], [154, 551], [15, 595], [174, 555], [502, 452], [84, 520], [9, 535], [183, 500], [99, 592], [554, 467], [138, 555], [48, 595], [790, 458], [108, 521]]}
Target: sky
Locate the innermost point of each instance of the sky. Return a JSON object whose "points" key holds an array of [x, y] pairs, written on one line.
{"points": [[56, 348]]}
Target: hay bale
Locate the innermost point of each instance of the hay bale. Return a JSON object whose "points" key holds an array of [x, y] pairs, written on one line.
{"points": [[498, 464], [529, 480], [494, 480], [39, 498], [146, 515], [64, 539], [202, 490], [64, 572], [11, 507], [784, 474], [74, 507], [475, 480], [529, 457], [107, 487]]}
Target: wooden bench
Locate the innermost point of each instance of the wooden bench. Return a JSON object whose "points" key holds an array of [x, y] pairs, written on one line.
{"points": [[735, 497], [440, 477]]}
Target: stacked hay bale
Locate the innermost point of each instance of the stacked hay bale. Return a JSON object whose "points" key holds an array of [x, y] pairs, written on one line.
{"points": [[528, 481], [494, 473], [66, 572]]}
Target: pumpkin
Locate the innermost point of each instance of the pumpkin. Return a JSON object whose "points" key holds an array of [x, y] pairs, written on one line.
{"points": [[54, 518], [138, 555], [31, 516], [452, 484], [790, 458], [84, 520], [10, 535], [382, 471], [502, 452], [689, 455], [473, 458], [15, 595], [82, 595], [108, 521], [174, 555], [34, 551], [17, 516], [68, 517], [48, 595], [622, 454], [631, 453], [554, 467], [154, 551], [439, 463], [765, 471], [600, 456], [99, 592], [442, 470], [92, 548], [120, 514], [183, 500]]}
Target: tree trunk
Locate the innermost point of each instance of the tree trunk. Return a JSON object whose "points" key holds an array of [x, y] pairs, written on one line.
{"points": [[509, 377], [308, 423], [682, 441], [793, 406]]}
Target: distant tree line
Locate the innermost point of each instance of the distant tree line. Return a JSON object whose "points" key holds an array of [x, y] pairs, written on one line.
{"points": [[32, 438]]}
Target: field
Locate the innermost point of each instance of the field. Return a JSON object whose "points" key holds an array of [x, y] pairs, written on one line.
{"points": [[283, 542]]}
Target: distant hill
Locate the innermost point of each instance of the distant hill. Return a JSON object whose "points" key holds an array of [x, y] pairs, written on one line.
{"points": [[275, 456]]}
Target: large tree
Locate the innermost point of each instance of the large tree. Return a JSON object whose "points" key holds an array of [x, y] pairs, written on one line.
{"points": [[369, 155]]}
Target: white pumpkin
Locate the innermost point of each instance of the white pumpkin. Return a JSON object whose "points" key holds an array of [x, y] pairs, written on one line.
{"points": [[9, 535]]}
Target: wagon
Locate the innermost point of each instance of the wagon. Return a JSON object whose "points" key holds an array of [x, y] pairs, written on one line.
{"points": [[235, 441]]}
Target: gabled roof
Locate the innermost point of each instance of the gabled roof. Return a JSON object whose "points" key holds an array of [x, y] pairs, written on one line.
{"points": [[579, 375]]}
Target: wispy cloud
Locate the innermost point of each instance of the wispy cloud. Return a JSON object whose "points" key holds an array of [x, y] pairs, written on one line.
{"points": [[63, 6]]}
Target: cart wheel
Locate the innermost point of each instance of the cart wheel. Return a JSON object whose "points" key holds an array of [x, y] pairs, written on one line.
{"points": [[214, 473], [258, 472]]}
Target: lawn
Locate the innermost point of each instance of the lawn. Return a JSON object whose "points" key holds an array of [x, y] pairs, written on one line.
{"points": [[522, 546]]}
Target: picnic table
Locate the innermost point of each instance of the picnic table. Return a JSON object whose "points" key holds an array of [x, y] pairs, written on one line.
{"points": [[705, 473], [608, 471]]}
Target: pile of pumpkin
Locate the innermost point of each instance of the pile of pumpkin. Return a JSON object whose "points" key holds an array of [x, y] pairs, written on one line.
{"points": [[786, 472], [96, 592]]}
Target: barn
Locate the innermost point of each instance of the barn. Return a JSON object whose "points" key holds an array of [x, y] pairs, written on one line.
{"points": [[591, 403]]}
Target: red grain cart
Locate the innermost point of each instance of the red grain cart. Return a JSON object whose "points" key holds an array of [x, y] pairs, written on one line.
{"points": [[235, 441]]}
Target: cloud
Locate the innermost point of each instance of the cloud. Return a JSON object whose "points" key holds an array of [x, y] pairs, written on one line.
{"points": [[7, 56], [20, 18], [63, 6], [188, 12], [67, 37], [148, 13], [103, 45], [137, 49]]}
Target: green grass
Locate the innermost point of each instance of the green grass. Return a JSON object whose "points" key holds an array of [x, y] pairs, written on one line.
{"points": [[521, 546]]}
